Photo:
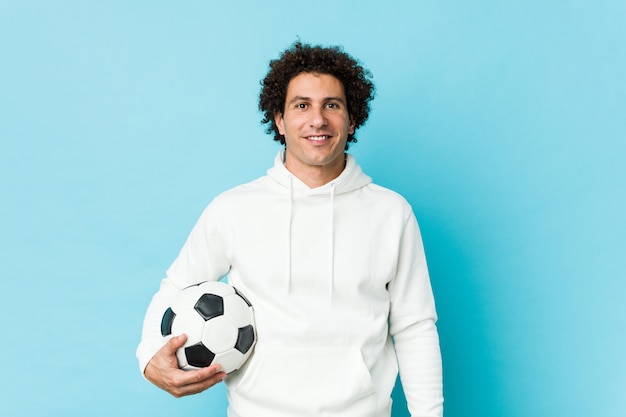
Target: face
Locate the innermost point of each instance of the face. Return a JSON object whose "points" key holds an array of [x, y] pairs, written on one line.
{"points": [[316, 125]]}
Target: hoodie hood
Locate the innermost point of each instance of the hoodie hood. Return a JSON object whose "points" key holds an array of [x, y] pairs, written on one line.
{"points": [[351, 178]]}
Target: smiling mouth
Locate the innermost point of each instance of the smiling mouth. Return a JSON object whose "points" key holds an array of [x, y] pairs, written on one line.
{"points": [[318, 138]]}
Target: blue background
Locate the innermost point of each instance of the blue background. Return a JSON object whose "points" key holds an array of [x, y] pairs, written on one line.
{"points": [[503, 123]]}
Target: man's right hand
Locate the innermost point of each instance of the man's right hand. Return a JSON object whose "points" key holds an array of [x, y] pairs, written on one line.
{"points": [[163, 371]]}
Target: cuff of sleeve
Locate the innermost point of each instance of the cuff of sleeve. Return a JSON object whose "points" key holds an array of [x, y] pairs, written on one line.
{"points": [[146, 351]]}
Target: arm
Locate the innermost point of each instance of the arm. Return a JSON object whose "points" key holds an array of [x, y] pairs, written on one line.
{"points": [[202, 258], [412, 325], [419, 360]]}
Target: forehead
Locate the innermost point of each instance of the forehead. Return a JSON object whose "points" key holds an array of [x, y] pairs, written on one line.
{"points": [[315, 85]]}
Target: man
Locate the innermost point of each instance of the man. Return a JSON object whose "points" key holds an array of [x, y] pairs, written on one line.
{"points": [[332, 263]]}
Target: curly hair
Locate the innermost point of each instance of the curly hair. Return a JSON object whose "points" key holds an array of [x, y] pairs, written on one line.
{"points": [[303, 58]]}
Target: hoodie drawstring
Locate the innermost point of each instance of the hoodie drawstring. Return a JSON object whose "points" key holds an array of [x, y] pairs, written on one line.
{"points": [[331, 275], [289, 223]]}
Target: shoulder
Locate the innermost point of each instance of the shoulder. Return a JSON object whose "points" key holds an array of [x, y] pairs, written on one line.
{"points": [[387, 196], [378, 202], [242, 194]]}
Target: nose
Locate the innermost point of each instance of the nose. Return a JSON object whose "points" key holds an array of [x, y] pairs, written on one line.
{"points": [[318, 118]]}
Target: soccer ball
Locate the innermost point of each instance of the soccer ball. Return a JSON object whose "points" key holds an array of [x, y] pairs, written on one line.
{"points": [[218, 322]]}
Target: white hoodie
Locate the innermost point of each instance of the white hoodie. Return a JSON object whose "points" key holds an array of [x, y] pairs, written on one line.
{"points": [[333, 274]]}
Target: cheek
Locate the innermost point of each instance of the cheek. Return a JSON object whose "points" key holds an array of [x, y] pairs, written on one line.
{"points": [[349, 125], [289, 125]]}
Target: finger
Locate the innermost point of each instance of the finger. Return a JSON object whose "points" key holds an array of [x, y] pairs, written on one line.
{"points": [[194, 388], [193, 382], [203, 385], [182, 378], [175, 343], [199, 376], [207, 372]]}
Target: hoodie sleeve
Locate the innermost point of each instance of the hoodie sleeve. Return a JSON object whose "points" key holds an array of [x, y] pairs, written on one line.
{"points": [[202, 258], [412, 325]]}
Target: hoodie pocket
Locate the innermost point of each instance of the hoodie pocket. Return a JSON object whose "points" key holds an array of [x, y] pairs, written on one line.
{"points": [[308, 380]]}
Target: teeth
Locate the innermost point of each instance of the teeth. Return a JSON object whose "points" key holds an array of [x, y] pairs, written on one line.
{"points": [[318, 137]]}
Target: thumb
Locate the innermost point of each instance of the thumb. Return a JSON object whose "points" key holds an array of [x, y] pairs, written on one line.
{"points": [[176, 343]]}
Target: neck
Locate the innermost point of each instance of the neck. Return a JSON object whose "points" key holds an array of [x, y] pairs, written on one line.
{"points": [[315, 175]]}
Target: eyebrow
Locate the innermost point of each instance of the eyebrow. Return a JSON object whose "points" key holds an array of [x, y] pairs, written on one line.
{"points": [[304, 98]]}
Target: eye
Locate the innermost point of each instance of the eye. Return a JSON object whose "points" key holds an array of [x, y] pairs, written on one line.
{"points": [[333, 105], [301, 106]]}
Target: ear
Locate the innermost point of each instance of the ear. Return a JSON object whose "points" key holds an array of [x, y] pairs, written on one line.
{"points": [[351, 126], [278, 119]]}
